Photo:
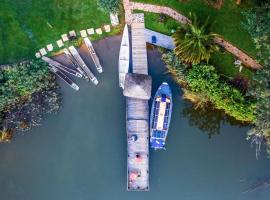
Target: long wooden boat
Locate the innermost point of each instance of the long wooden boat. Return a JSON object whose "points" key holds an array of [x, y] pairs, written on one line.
{"points": [[124, 57], [160, 117], [82, 64], [61, 67], [93, 54], [70, 59], [64, 77]]}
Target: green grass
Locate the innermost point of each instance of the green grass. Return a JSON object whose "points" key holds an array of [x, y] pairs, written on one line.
{"points": [[28, 25], [226, 22]]}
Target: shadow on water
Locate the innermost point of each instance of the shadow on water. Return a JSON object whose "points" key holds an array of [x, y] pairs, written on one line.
{"points": [[208, 119]]}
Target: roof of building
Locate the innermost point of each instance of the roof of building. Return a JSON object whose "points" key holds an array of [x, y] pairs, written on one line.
{"points": [[138, 86]]}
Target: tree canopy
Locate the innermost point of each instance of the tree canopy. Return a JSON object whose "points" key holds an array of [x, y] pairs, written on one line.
{"points": [[194, 42]]}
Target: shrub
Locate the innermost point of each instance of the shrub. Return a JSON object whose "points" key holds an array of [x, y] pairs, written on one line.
{"points": [[109, 5], [204, 79]]}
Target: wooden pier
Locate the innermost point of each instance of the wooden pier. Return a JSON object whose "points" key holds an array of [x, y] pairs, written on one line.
{"points": [[138, 91]]}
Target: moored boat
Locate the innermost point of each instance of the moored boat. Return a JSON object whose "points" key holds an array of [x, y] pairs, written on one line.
{"points": [[62, 76], [160, 116], [124, 57]]}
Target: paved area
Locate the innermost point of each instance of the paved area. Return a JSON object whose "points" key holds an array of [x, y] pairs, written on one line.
{"points": [[162, 40]]}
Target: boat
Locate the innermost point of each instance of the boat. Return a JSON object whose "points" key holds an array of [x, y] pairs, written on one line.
{"points": [[71, 60], [93, 54], [61, 67], [160, 117], [63, 77], [124, 57], [82, 64]]}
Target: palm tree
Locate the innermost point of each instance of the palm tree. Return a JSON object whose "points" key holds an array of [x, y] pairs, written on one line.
{"points": [[194, 42]]}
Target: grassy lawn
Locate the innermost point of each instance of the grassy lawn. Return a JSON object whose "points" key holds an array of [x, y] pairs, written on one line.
{"points": [[227, 22], [28, 25]]}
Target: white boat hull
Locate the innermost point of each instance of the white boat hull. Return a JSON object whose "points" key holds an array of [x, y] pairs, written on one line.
{"points": [[124, 57]]}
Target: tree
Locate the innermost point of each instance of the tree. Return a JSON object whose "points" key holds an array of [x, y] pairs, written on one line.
{"points": [[258, 25], [194, 42], [109, 5]]}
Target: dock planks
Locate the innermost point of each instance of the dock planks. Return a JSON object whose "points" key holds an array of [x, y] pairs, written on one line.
{"points": [[137, 116]]}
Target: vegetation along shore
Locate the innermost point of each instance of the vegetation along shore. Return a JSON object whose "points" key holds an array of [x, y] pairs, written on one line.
{"points": [[207, 73]]}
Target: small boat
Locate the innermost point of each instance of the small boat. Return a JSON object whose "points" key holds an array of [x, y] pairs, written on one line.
{"points": [[71, 60], [160, 116], [82, 64], [61, 67], [124, 57], [93, 54], [63, 77]]}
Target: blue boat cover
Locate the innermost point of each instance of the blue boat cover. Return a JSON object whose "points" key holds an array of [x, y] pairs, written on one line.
{"points": [[157, 143]]}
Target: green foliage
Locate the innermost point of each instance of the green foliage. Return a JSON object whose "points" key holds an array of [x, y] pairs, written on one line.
{"points": [[27, 92], [19, 81], [204, 79], [258, 25], [109, 5], [202, 85], [175, 67], [194, 42]]}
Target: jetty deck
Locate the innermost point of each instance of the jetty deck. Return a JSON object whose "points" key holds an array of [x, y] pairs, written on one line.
{"points": [[138, 91], [162, 40]]}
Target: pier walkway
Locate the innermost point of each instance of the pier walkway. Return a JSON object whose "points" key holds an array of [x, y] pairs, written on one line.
{"points": [[138, 91], [162, 40]]}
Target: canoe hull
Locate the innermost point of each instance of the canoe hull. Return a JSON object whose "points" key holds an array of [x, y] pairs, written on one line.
{"points": [[124, 57]]}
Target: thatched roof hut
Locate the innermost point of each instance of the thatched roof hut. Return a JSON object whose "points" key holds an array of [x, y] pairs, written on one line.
{"points": [[138, 86]]}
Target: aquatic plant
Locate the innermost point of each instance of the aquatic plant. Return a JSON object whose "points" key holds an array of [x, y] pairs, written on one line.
{"points": [[5, 135], [28, 91]]}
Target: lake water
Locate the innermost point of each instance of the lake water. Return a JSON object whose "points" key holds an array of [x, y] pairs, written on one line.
{"points": [[80, 153]]}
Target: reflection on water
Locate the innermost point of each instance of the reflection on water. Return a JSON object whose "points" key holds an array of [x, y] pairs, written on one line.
{"points": [[208, 119]]}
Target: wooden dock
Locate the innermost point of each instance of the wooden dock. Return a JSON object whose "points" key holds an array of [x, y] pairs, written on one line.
{"points": [[138, 91]]}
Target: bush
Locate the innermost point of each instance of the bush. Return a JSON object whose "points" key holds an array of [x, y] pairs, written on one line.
{"points": [[109, 5], [19, 81], [27, 91], [204, 79]]}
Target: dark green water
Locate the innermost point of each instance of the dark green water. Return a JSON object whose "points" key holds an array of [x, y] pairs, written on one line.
{"points": [[80, 153]]}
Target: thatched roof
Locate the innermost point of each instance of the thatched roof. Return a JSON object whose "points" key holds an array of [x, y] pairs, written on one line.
{"points": [[138, 86]]}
